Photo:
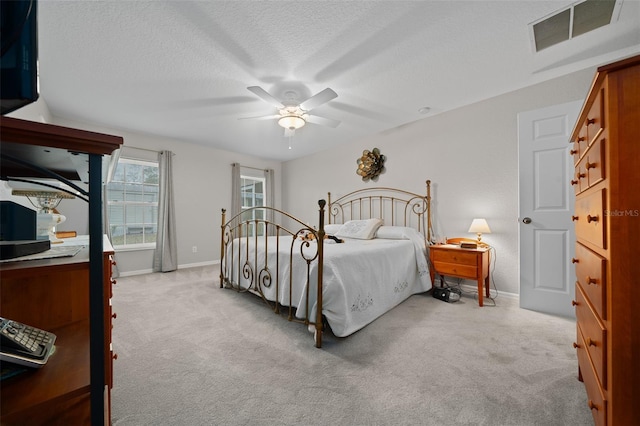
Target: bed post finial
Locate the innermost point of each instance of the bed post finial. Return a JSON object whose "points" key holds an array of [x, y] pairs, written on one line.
{"points": [[224, 214]]}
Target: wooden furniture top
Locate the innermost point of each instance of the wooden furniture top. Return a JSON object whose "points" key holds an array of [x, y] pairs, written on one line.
{"points": [[24, 266], [33, 133], [43, 385]]}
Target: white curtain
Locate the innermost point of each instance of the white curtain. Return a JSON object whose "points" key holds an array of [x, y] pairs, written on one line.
{"points": [[165, 257]]}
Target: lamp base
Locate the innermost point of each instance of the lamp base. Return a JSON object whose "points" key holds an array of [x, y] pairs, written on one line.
{"points": [[46, 226]]}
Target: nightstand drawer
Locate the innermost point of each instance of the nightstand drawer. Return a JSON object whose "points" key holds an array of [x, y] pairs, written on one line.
{"points": [[459, 257], [456, 269]]}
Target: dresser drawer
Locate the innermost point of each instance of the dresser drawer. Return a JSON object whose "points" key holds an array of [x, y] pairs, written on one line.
{"points": [[594, 163], [595, 119], [596, 400], [455, 269], [579, 181], [594, 335], [591, 275], [589, 218]]}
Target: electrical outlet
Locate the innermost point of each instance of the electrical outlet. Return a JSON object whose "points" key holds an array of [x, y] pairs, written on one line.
{"points": [[194, 249]]}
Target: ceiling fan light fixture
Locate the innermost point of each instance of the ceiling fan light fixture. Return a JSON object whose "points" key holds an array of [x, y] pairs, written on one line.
{"points": [[291, 122]]}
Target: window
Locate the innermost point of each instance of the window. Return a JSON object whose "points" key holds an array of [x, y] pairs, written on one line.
{"points": [[132, 202], [252, 194]]}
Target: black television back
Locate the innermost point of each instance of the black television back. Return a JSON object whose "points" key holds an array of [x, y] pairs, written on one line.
{"points": [[19, 54]]}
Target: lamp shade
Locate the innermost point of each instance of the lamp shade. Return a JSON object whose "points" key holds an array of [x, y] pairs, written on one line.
{"points": [[291, 122], [480, 226]]}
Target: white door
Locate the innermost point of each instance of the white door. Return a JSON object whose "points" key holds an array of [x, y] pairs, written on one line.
{"points": [[547, 275]]}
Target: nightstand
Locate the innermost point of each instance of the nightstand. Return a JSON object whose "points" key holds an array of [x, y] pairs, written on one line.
{"points": [[452, 261]]}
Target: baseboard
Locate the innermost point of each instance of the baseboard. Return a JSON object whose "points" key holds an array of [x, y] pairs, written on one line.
{"points": [[474, 289], [185, 266], [195, 265]]}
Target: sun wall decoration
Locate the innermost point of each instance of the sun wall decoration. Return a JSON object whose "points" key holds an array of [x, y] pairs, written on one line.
{"points": [[370, 165]]}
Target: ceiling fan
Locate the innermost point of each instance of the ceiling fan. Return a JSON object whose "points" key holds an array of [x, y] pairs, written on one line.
{"points": [[293, 115]]}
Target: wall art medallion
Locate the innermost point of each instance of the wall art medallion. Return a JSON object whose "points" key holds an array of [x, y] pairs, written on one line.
{"points": [[371, 164]]}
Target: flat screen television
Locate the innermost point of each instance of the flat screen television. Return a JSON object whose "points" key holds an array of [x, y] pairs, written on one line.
{"points": [[19, 54]]}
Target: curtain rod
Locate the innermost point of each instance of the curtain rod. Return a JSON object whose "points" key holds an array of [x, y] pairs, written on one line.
{"points": [[249, 167], [146, 149]]}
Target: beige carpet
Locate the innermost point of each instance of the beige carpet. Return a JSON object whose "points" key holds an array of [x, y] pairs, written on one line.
{"points": [[190, 353]]}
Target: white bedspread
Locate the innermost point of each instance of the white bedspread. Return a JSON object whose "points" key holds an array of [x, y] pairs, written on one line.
{"points": [[363, 279]]}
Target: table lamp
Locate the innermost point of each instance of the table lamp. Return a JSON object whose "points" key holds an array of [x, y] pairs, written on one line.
{"points": [[479, 227]]}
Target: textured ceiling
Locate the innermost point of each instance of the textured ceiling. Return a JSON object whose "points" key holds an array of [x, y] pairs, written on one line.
{"points": [[180, 69]]}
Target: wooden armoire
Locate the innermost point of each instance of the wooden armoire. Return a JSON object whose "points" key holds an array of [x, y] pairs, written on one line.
{"points": [[606, 153]]}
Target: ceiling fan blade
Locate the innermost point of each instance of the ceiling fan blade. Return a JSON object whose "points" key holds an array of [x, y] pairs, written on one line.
{"points": [[324, 121], [261, 117], [265, 96], [318, 99]]}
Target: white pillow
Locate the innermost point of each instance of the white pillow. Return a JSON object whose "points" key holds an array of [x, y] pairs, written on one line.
{"points": [[395, 232], [359, 229], [332, 228]]}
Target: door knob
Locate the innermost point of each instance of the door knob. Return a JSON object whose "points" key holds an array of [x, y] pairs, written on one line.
{"points": [[526, 220]]}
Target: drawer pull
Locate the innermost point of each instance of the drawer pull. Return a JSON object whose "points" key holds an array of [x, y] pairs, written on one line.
{"points": [[590, 165], [113, 281], [590, 121], [581, 175], [592, 405], [581, 139], [114, 315], [591, 280], [575, 345], [573, 152], [574, 182], [574, 218], [114, 356], [592, 218], [574, 260], [591, 342], [574, 303]]}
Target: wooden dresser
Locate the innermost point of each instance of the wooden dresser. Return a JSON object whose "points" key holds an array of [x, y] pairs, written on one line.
{"points": [[53, 294], [606, 154]]}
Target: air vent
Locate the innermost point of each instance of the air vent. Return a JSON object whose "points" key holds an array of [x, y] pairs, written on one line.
{"points": [[577, 19]]}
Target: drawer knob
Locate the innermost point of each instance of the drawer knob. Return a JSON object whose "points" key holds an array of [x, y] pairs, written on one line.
{"points": [[592, 218], [573, 152], [591, 342], [590, 121], [592, 405], [574, 218], [575, 345], [574, 260], [114, 315], [581, 139], [574, 182], [591, 280], [581, 175], [590, 165], [113, 281], [114, 356], [574, 303]]}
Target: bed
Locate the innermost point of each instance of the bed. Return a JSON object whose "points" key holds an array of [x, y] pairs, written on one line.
{"points": [[366, 255]]}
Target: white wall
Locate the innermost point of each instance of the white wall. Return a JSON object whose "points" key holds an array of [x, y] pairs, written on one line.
{"points": [[470, 155]]}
